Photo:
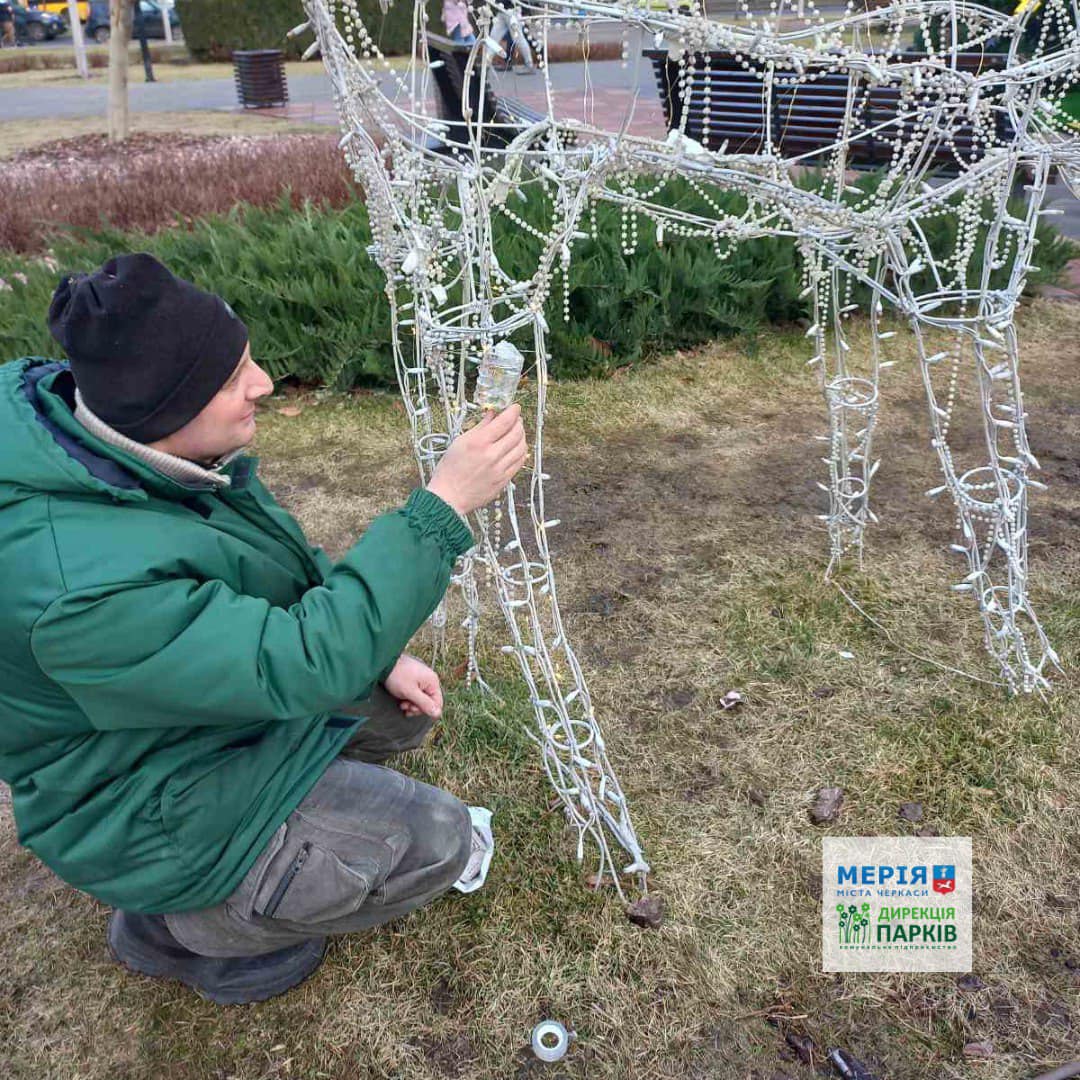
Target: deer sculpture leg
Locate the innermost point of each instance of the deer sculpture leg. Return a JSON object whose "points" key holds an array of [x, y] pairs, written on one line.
{"points": [[513, 558], [852, 401], [969, 334]]}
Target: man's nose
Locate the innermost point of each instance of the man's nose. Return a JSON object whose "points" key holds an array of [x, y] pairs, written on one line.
{"points": [[263, 387]]}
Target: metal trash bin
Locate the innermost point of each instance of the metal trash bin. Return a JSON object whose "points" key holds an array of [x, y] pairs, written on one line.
{"points": [[260, 78]]}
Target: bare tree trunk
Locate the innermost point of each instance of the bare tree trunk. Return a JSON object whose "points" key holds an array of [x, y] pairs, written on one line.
{"points": [[119, 37], [166, 23], [77, 39]]}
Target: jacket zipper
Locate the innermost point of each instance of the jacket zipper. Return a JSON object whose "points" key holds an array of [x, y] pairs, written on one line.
{"points": [[286, 881]]}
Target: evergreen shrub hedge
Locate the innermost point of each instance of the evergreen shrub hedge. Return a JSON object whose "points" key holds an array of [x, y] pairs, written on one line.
{"points": [[214, 28], [315, 302]]}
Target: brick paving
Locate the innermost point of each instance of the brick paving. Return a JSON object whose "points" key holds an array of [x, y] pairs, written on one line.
{"points": [[604, 108]]}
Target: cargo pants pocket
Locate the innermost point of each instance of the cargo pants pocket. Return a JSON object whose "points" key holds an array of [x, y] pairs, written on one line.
{"points": [[310, 882]]}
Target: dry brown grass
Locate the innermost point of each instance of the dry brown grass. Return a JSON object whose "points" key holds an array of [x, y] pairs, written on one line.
{"points": [[690, 564], [173, 64]]}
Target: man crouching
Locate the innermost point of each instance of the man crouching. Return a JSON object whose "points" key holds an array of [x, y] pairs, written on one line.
{"points": [[194, 699]]}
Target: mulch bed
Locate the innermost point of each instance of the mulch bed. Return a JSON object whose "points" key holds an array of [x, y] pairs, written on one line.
{"points": [[153, 181], [97, 149]]}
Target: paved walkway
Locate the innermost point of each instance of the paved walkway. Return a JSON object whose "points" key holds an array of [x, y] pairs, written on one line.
{"points": [[605, 108], [311, 91], [1059, 197], [44, 102]]}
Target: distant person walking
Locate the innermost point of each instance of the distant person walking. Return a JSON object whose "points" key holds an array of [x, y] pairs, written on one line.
{"points": [[7, 25], [455, 16]]}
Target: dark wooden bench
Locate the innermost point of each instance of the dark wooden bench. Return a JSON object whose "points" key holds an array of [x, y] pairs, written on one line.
{"points": [[805, 117], [504, 117]]}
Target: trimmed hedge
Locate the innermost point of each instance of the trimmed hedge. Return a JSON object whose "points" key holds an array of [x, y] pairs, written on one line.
{"points": [[329, 324], [214, 28], [150, 181]]}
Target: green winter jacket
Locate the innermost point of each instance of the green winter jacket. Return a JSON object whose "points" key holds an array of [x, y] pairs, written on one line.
{"points": [[173, 658]]}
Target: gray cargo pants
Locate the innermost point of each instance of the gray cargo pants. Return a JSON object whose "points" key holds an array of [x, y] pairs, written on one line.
{"points": [[364, 846]]}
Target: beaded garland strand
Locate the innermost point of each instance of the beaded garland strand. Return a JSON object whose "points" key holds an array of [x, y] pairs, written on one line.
{"points": [[431, 216]]}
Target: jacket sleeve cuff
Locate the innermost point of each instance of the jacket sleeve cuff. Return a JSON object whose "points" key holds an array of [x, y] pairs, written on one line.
{"points": [[385, 673], [432, 515]]}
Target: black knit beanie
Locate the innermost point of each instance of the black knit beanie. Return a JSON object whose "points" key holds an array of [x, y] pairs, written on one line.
{"points": [[148, 350]]}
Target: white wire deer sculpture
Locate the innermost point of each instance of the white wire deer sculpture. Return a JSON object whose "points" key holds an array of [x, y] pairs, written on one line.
{"points": [[435, 186]]}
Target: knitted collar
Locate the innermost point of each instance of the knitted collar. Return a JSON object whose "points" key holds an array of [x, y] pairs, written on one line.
{"points": [[175, 468]]}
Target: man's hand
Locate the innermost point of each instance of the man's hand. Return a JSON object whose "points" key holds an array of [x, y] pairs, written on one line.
{"points": [[415, 686], [479, 463]]}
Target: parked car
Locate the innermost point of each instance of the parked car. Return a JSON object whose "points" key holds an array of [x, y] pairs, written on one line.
{"points": [[32, 25], [60, 8], [97, 25]]}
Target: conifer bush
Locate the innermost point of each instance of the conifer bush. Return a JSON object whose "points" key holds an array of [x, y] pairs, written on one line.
{"points": [[314, 300], [213, 29]]}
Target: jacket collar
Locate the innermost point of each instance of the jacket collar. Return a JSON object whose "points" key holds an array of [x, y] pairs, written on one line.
{"points": [[52, 392], [176, 468]]}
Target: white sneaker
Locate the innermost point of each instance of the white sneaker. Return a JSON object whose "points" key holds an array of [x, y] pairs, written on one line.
{"points": [[483, 848]]}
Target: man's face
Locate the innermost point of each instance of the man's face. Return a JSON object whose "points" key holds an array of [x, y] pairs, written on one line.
{"points": [[227, 421]]}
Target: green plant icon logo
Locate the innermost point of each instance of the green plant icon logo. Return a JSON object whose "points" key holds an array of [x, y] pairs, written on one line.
{"points": [[853, 924]]}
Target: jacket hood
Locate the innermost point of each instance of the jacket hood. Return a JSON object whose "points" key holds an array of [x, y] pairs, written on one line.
{"points": [[43, 448]]}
